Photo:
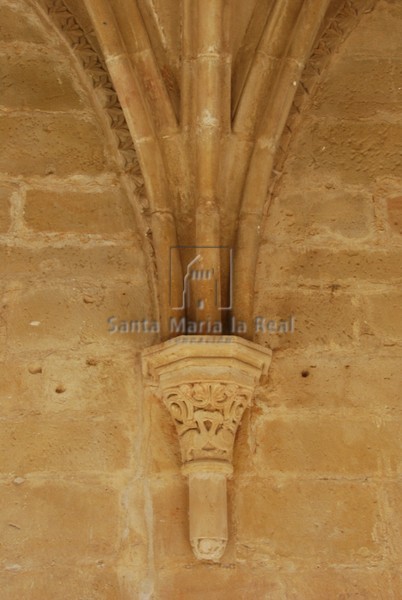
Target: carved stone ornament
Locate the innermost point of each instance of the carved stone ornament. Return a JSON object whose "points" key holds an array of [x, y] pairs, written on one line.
{"points": [[206, 383]]}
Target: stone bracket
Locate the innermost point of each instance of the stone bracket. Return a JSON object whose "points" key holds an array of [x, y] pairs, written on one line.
{"points": [[206, 383]]}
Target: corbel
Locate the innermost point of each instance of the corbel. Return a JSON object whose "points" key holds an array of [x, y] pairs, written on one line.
{"points": [[206, 383]]}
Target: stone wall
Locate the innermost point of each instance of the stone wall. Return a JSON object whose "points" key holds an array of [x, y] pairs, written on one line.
{"points": [[325, 436], [71, 508], [92, 503]]}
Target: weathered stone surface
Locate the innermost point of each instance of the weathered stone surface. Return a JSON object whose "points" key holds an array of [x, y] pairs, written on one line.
{"points": [[333, 269], [43, 145], [35, 80], [384, 315], [92, 504], [348, 150], [237, 581], [374, 384], [37, 444], [17, 25], [102, 212], [297, 381], [234, 581], [377, 36], [339, 584], [324, 213], [69, 260], [38, 316], [5, 206], [320, 319], [393, 524], [169, 509], [327, 445], [394, 206], [58, 520], [95, 385], [396, 582], [370, 87], [368, 383], [308, 520], [95, 581]]}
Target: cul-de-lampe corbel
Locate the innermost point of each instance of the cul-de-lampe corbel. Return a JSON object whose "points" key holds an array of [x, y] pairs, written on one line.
{"points": [[206, 383]]}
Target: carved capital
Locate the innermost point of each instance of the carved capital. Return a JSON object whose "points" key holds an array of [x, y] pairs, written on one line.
{"points": [[207, 415], [206, 383]]}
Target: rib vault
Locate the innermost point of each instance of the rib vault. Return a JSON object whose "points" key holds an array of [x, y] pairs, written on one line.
{"points": [[206, 87]]}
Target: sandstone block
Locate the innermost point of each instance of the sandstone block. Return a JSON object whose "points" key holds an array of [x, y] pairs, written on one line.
{"points": [[333, 269], [61, 582], [324, 213], [359, 86], [56, 521], [132, 325], [60, 316], [375, 384], [43, 318], [378, 36], [94, 385], [396, 583], [170, 518], [231, 581], [384, 315], [320, 319], [351, 150], [339, 584], [393, 523], [50, 144], [60, 445], [37, 80], [305, 382], [369, 383], [57, 263], [327, 445], [308, 520], [5, 205], [103, 212], [20, 25], [394, 206]]}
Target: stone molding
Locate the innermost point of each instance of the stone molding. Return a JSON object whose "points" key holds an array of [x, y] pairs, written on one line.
{"points": [[336, 30], [206, 383], [186, 164], [95, 67]]}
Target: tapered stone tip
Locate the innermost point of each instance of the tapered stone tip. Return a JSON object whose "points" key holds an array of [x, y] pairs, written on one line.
{"points": [[208, 548]]}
